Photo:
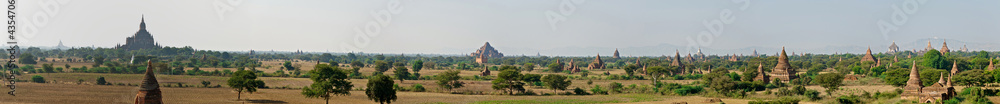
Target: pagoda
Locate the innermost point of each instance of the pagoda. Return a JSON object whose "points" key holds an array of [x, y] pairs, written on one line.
{"points": [[597, 64], [783, 71], [140, 40], [868, 56], [149, 91]]}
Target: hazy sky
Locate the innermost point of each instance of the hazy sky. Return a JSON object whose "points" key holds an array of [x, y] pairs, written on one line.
{"points": [[461, 26]]}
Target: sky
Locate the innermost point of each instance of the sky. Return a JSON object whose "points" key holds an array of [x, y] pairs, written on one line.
{"points": [[462, 26]]}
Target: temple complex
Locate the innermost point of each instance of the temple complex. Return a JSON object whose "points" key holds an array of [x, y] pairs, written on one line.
{"points": [[140, 40], [783, 71], [487, 51], [571, 67], [734, 58], [597, 64], [149, 91], [914, 90], [868, 56], [944, 47], [482, 59]]}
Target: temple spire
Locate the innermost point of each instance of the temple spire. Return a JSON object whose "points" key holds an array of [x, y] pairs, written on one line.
{"points": [[914, 80]]}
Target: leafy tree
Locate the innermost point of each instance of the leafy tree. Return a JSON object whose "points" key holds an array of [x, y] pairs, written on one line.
{"points": [[28, 59], [449, 79], [556, 67], [287, 65], [380, 89], [205, 83], [616, 87], [656, 71], [37, 79], [417, 66], [934, 59], [508, 81], [381, 66], [357, 64], [830, 81], [719, 81], [973, 78], [556, 82], [528, 67], [244, 81], [896, 77], [327, 80], [48, 68], [531, 78], [402, 73], [630, 69], [101, 81], [982, 54], [430, 65]]}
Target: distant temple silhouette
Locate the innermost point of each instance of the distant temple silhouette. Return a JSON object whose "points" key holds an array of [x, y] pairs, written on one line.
{"points": [[140, 40]]}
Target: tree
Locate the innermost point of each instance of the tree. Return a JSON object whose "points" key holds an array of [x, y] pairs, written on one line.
{"points": [[531, 78], [449, 80], [37, 79], [508, 81], [830, 81], [48, 68], [529, 67], [896, 77], [656, 71], [29, 59], [973, 77], [288, 65], [101, 81], [934, 59], [357, 64], [381, 66], [205, 83], [244, 81], [327, 80], [556, 67], [417, 66], [556, 82], [380, 89], [719, 81], [616, 87], [630, 69], [430, 65], [402, 73]]}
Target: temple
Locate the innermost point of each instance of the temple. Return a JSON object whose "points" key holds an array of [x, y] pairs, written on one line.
{"points": [[616, 54], [893, 48], [598, 63], [783, 71], [488, 51], [677, 62], [914, 90], [149, 91], [868, 56], [760, 74], [140, 40]]}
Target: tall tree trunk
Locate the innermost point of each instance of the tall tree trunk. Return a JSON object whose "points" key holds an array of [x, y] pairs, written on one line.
{"points": [[238, 94]]}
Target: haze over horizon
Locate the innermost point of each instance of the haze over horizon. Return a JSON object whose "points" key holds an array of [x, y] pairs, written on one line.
{"points": [[515, 27]]}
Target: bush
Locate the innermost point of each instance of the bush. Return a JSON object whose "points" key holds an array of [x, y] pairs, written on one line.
{"points": [[418, 88], [579, 91], [597, 90], [783, 100], [852, 99], [812, 94], [616, 87], [37, 79], [686, 90]]}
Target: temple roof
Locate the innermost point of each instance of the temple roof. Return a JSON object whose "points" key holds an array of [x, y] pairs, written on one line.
{"points": [[944, 47], [893, 45], [149, 81], [914, 76], [868, 56]]}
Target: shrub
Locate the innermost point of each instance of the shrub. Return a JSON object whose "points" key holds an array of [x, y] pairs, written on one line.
{"points": [[852, 99], [418, 88], [37, 79], [579, 91], [597, 90], [616, 87], [812, 94], [686, 90], [783, 100]]}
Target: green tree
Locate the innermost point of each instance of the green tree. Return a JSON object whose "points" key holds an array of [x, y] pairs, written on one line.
{"points": [[830, 81], [417, 66], [508, 81], [630, 69], [101, 81], [656, 71], [401, 73], [973, 78], [718, 80], [380, 89], [528, 67], [616, 87], [430, 65], [982, 54], [896, 77], [48, 68], [98, 61], [28, 59], [450, 80], [287, 65], [357, 64], [381, 66], [37, 79], [531, 78], [556, 82], [244, 81], [934, 59], [556, 67], [327, 80]]}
